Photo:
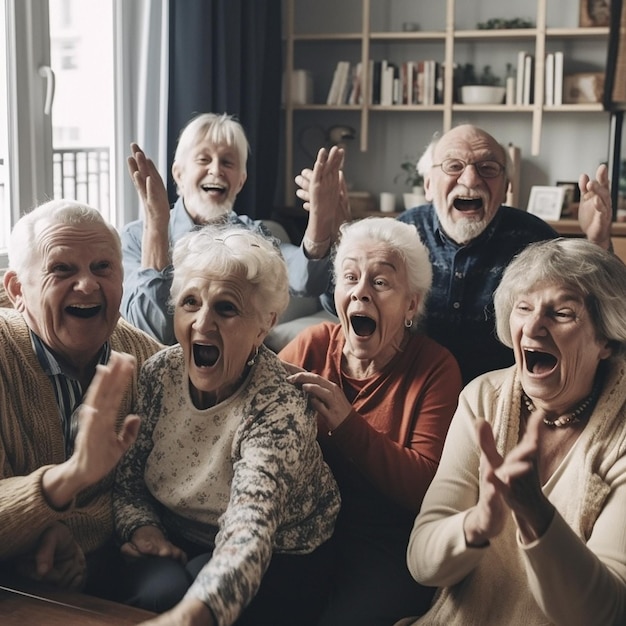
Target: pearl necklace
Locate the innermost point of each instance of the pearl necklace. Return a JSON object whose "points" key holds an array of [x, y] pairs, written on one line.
{"points": [[572, 418]]}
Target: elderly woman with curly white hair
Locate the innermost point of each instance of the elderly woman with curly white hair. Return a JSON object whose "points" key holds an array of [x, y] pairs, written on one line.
{"points": [[225, 502], [524, 520]]}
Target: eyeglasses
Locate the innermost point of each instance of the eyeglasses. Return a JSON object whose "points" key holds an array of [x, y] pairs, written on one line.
{"points": [[485, 169]]}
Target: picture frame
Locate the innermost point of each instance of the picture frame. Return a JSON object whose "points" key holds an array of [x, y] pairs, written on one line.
{"points": [[546, 202], [571, 198], [595, 13]]}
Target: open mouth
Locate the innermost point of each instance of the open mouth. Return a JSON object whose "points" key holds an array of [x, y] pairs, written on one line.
{"points": [[362, 325], [468, 204], [205, 356], [214, 188], [538, 362], [83, 311]]}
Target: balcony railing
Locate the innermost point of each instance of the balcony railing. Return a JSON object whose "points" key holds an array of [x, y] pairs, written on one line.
{"points": [[83, 174]]}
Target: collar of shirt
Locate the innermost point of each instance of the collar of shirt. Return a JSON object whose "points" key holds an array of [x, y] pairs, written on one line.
{"points": [[67, 389]]}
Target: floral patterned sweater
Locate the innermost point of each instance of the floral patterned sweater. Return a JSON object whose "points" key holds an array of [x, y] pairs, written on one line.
{"points": [[245, 477]]}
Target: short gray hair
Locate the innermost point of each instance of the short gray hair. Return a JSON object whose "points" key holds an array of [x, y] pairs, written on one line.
{"points": [[575, 263], [223, 251], [218, 129], [25, 233], [401, 238]]}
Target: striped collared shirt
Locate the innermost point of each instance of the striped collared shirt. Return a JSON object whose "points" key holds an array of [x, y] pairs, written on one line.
{"points": [[68, 390]]}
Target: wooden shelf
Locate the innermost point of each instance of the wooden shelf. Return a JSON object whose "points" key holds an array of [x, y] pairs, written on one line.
{"points": [[364, 41]]}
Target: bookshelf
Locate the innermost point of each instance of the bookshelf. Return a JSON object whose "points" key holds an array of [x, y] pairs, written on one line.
{"points": [[448, 34]]}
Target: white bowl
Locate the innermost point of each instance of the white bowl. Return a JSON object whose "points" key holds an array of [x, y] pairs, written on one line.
{"points": [[482, 94]]}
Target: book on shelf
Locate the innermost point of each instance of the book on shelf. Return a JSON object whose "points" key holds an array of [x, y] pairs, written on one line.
{"points": [[386, 83], [338, 92], [519, 77], [529, 70], [558, 78], [376, 82], [355, 96], [548, 89]]}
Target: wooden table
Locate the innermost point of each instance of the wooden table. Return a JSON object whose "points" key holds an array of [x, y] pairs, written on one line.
{"points": [[39, 607]]}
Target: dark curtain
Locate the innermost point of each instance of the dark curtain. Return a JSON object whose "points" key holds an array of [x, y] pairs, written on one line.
{"points": [[225, 57]]}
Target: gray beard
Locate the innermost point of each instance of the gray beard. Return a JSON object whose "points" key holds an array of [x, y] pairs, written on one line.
{"points": [[464, 230]]}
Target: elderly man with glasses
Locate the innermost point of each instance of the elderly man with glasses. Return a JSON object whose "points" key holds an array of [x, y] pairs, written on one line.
{"points": [[472, 237]]}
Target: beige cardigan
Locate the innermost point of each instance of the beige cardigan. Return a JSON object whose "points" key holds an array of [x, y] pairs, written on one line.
{"points": [[31, 440], [576, 572]]}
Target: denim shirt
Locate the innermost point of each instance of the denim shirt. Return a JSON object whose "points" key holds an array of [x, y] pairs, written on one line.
{"points": [[459, 309]]}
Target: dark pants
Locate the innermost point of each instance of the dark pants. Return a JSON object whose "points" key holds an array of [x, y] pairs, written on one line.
{"points": [[292, 590], [371, 584]]}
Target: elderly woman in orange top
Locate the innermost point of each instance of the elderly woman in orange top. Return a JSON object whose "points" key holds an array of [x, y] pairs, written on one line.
{"points": [[385, 395]]}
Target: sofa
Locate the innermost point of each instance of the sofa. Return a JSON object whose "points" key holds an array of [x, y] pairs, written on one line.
{"points": [[301, 311]]}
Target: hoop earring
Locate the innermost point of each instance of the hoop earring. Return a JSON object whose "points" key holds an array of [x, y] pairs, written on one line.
{"points": [[252, 359], [408, 323]]}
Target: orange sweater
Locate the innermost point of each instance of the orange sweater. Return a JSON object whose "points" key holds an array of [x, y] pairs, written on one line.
{"points": [[394, 436]]}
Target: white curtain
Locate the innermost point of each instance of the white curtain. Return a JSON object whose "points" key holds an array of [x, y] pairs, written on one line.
{"points": [[141, 77]]}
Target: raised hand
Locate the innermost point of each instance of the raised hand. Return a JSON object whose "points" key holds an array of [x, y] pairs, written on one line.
{"points": [[155, 247], [594, 212], [509, 483], [99, 444], [325, 195]]}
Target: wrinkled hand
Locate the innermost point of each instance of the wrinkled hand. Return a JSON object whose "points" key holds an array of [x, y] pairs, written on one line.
{"points": [[188, 612], [325, 194], [150, 541], [150, 186], [509, 483], [57, 559], [99, 445], [326, 397], [594, 212]]}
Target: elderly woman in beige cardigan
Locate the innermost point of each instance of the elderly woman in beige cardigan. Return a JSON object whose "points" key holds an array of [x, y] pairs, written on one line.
{"points": [[524, 520]]}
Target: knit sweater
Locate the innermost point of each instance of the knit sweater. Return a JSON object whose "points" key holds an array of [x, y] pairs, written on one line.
{"points": [[576, 572], [395, 434], [31, 441]]}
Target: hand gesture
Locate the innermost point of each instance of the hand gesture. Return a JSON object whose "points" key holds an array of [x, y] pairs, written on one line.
{"points": [[594, 212], [509, 483], [326, 397], [150, 541], [325, 194], [99, 445], [57, 560], [150, 186]]}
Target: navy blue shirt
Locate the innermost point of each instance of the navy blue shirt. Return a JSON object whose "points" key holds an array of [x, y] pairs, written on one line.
{"points": [[459, 310]]}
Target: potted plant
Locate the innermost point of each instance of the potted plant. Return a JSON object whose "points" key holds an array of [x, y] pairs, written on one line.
{"points": [[413, 179]]}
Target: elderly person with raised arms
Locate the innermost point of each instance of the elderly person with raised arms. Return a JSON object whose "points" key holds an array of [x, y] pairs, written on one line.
{"points": [[58, 447], [524, 520], [209, 169], [226, 483], [385, 394], [472, 236]]}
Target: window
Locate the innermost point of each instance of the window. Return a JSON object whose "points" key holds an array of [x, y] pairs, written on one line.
{"points": [[66, 151]]}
